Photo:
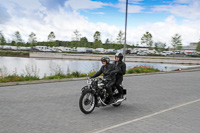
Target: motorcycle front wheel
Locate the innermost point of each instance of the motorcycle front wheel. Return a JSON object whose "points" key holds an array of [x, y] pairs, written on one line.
{"points": [[87, 102]]}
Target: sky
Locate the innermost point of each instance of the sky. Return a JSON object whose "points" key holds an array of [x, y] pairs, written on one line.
{"points": [[162, 18]]}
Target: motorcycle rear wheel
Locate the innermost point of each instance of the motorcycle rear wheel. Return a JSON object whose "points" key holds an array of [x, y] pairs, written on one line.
{"points": [[87, 102]]}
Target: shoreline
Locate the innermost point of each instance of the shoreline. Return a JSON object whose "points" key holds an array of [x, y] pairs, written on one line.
{"points": [[85, 78], [142, 59], [96, 57], [8, 53]]}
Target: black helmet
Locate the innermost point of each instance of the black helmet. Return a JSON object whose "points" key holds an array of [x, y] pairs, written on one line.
{"points": [[119, 55], [106, 59]]}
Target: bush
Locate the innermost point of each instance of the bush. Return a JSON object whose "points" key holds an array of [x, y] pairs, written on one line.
{"points": [[141, 69], [13, 53], [15, 78], [75, 74]]}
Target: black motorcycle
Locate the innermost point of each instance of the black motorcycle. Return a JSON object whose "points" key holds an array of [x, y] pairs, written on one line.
{"points": [[95, 95]]}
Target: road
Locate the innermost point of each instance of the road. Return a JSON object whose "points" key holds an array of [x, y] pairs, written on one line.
{"points": [[167, 103]]}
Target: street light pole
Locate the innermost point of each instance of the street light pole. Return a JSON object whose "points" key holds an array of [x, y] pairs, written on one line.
{"points": [[125, 30]]}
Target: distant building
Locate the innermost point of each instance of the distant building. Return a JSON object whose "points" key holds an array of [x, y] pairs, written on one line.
{"points": [[191, 47]]}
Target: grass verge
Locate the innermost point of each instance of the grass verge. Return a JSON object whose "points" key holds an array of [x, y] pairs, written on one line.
{"points": [[17, 78]]}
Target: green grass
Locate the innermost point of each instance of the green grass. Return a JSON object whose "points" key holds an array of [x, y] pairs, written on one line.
{"points": [[16, 78], [76, 74], [15, 53]]}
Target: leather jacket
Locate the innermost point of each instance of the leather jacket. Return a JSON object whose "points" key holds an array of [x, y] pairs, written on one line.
{"points": [[122, 66], [109, 71]]}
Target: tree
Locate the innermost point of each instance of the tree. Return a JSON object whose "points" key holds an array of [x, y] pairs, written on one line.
{"points": [[97, 40], [2, 39], [51, 36], [147, 39], [77, 36], [159, 46], [83, 42], [107, 44], [76, 39], [17, 37], [176, 42], [97, 36], [120, 37], [107, 41], [97, 44], [32, 38], [198, 47]]}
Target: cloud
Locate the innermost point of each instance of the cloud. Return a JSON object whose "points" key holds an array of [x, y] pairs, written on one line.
{"points": [[131, 8], [98, 13], [4, 15], [63, 21], [52, 4], [40, 20], [131, 1], [181, 8], [163, 31], [84, 4]]}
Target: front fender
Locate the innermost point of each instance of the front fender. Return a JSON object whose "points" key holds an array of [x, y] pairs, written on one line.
{"points": [[84, 88], [87, 88]]}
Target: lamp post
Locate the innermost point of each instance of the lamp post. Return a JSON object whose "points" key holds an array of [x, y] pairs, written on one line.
{"points": [[125, 30]]}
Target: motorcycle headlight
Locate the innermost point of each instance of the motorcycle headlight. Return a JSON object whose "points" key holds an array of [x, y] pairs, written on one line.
{"points": [[89, 81]]}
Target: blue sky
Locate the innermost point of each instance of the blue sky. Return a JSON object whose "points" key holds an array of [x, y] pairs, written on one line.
{"points": [[162, 18]]}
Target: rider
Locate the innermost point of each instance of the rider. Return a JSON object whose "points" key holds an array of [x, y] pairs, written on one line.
{"points": [[119, 77], [109, 71]]}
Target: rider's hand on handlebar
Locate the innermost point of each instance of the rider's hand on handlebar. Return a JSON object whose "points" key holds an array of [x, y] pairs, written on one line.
{"points": [[112, 73]]}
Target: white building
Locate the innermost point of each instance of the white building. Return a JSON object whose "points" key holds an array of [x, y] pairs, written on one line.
{"points": [[191, 47]]}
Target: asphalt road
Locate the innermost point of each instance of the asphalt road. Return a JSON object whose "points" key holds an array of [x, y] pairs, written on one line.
{"points": [[163, 103]]}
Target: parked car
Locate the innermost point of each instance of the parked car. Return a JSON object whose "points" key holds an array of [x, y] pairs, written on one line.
{"points": [[191, 54], [166, 53], [142, 53]]}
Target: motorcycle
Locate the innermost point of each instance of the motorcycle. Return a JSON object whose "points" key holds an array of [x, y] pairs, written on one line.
{"points": [[94, 94]]}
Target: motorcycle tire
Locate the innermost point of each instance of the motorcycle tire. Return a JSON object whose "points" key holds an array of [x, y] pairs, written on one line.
{"points": [[87, 102]]}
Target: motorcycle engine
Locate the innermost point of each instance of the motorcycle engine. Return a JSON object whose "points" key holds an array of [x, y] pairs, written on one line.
{"points": [[100, 85]]}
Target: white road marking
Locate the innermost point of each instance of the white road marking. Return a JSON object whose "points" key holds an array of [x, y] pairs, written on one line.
{"points": [[147, 116]]}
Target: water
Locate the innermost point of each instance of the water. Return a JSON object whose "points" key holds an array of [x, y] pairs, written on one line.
{"points": [[41, 67]]}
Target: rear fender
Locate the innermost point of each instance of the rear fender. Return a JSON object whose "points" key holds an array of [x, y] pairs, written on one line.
{"points": [[124, 91]]}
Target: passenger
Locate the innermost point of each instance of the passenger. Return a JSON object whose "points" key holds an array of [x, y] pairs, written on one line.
{"points": [[119, 77]]}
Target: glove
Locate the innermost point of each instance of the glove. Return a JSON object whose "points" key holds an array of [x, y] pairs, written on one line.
{"points": [[112, 73]]}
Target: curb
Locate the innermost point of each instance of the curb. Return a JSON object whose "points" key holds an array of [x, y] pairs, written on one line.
{"points": [[76, 79]]}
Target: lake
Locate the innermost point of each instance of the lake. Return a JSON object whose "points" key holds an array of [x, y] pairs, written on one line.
{"points": [[41, 66]]}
